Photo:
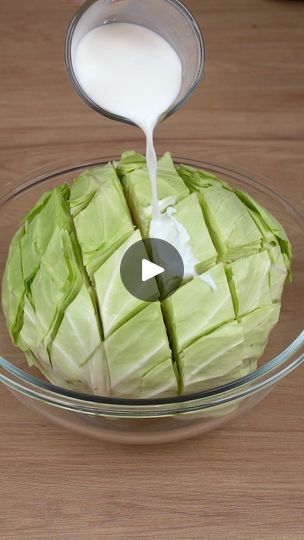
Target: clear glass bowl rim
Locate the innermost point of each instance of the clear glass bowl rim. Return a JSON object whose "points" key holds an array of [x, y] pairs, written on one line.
{"points": [[266, 375], [73, 78]]}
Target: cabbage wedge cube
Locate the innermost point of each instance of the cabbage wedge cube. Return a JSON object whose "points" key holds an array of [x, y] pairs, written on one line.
{"points": [[116, 303], [269, 221], [78, 358], [137, 352], [213, 359], [198, 307], [197, 179], [14, 287], [232, 228], [187, 215], [101, 215], [257, 326], [136, 182], [249, 279]]}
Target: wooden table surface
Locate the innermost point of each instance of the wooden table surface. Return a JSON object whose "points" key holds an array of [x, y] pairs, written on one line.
{"points": [[244, 481]]}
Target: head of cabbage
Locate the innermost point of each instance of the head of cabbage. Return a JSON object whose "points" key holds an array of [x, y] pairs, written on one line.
{"points": [[68, 310]]}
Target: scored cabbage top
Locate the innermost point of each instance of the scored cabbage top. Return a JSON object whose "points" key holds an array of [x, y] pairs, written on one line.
{"points": [[68, 310]]}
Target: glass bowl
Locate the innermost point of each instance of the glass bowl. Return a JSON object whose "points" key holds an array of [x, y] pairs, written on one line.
{"points": [[146, 421]]}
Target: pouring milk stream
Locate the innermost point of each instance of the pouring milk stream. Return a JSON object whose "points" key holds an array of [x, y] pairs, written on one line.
{"points": [[151, 72]]}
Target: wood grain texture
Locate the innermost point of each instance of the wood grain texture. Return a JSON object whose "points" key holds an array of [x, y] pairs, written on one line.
{"points": [[246, 479]]}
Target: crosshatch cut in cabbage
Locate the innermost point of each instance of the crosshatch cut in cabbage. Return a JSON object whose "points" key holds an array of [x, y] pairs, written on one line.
{"points": [[67, 309]]}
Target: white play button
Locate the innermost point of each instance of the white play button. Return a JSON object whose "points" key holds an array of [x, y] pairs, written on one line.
{"points": [[150, 270], [141, 277]]}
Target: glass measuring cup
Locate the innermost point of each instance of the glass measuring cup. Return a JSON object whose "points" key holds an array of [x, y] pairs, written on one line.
{"points": [[168, 18]]}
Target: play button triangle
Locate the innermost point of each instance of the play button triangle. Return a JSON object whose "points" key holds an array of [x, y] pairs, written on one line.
{"points": [[150, 270], [151, 281]]}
